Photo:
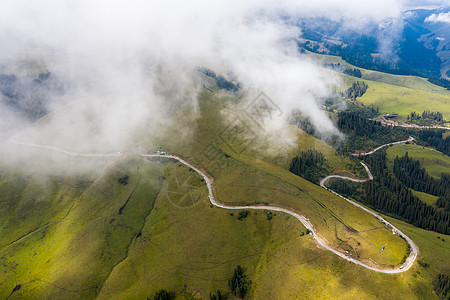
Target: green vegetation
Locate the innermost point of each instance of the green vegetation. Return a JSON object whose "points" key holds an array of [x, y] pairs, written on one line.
{"points": [[123, 180], [269, 215], [401, 101], [161, 295], [438, 139], [90, 236], [357, 89], [309, 165], [355, 72], [390, 194], [365, 134], [217, 296], [427, 118], [413, 82], [442, 286], [242, 215], [239, 284], [444, 202], [396, 94], [427, 198], [434, 162], [410, 173]]}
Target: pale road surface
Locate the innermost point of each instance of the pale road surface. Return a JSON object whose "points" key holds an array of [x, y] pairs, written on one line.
{"points": [[305, 221], [414, 250], [392, 123], [378, 148]]}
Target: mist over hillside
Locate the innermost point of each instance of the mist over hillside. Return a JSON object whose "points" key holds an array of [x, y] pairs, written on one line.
{"points": [[131, 63], [416, 43]]}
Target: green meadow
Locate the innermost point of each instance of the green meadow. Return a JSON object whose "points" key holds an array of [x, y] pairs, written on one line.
{"points": [[432, 160], [138, 226]]}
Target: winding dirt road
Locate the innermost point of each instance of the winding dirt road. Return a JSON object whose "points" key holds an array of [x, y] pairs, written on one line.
{"points": [[413, 248], [305, 221], [393, 123], [382, 146]]}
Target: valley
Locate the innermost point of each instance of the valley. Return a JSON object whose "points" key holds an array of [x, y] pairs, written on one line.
{"points": [[219, 150]]}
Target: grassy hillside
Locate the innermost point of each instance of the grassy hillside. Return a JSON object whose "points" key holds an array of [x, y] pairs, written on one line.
{"points": [[140, 226], [427, 198], [394, 99], [395, 93], [413, 82], [433, 161], [190, 250]]}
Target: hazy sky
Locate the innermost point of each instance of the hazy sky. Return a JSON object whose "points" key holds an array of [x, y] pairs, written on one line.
{"points": [[428, 4]]}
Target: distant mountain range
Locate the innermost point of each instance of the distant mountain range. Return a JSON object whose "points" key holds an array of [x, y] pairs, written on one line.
{"points": [[420, 47]]}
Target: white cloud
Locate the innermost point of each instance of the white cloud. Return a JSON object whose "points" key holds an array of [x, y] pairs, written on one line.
{"points": [[442, 17]]}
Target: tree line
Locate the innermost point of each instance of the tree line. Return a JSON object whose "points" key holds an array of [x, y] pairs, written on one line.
{"points": [[363, 133], [221, 81], [353, 72], [349, 71], [387, 193], [427, 115], [356, 90], [444, 202], [309, 165], [433, 138], [410, 173], [239, 283], [442, 286]]}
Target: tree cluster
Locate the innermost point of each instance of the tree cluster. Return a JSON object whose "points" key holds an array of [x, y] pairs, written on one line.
{"points": [[123, 180], [242, 215], [217, 296], [434, 138], [410, 173], [356, 90], [363, 133], [221, 81], [439, 81], [349, 71], [444, 202], [239, 283], [388, 194], [344, 187], [309, 165], [161, 295], [353, 72], [442, 286], [426, 118]]}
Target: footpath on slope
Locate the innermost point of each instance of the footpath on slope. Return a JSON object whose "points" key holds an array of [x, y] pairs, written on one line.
{"points": [[305, 221]]}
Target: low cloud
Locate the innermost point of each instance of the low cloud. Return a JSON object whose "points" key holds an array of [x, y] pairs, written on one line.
{"points": [[125, 63]]}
